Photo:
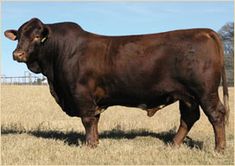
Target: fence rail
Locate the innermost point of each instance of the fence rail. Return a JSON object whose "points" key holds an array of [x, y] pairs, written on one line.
{"points": [[23, 80]]}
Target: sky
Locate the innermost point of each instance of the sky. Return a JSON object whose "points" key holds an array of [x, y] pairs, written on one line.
{"points": [[111, 18]]}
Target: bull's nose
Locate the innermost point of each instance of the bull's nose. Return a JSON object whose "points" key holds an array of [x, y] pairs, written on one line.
{"points": [[18, 54]]}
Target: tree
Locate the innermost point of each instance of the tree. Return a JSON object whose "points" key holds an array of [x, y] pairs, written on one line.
{"points": [[227, 35]]}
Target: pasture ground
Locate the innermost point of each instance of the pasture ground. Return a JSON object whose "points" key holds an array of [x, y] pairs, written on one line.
{"points": [[34, 130]]}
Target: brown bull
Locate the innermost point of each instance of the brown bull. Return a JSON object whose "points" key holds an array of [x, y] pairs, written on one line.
{"points": [[88, 72]]}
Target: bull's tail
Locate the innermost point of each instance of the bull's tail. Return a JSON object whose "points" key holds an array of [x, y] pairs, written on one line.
{"points": [[225, 95], [224, 79]]}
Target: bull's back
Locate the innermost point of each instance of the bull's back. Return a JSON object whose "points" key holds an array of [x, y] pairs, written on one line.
{"points": [[147, 64]]}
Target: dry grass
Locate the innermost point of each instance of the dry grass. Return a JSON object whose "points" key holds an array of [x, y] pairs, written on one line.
{"points": [[35, 131]]}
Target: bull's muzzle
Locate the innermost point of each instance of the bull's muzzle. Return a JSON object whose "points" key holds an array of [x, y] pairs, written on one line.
{"points": [[19, 56]]}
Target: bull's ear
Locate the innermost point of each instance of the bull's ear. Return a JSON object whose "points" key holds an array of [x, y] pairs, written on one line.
{"points": [[45, 33], [11, 34]]}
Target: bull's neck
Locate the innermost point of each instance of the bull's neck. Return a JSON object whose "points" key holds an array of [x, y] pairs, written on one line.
{"points": [[54, 50], [48, 52]]}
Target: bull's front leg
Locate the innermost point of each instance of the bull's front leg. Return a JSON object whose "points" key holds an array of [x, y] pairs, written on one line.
{"points": [[91, 128]]}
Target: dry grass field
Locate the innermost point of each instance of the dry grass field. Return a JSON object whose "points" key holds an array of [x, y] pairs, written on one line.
{"points": [[34, 130]]}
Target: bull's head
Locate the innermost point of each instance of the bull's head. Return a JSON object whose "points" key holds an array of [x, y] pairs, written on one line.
{"points": [[31, 36]]}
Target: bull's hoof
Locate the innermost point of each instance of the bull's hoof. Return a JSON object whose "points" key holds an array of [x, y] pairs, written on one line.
{"points": [[220, 150], [92, 144], [175, 145]]}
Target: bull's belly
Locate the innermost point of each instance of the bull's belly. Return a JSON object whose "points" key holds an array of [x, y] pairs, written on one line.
{"points": [[140, 102], [150, 105]]}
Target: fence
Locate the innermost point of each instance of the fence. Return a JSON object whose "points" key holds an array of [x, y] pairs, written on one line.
{"points": [[27, 79]]}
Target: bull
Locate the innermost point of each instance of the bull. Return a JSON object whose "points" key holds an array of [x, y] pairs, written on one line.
{"points": [[88, 72]]}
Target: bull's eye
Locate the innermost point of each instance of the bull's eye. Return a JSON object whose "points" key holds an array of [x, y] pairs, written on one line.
{"points": [[37, 37]]}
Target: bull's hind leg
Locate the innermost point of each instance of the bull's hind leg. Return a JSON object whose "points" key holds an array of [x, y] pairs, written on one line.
{"points": [[215, 112], [189, 115], [91, 127]]}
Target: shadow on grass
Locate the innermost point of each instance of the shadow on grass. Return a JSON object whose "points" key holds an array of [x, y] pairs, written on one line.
{"points": [[73, 138]]}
